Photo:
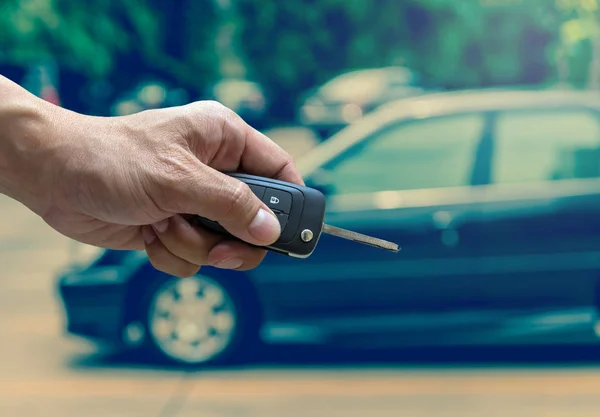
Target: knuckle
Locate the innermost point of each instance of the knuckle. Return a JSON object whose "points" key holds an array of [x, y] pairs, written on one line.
{"points": [[288, 159], [235, 127], [222, 111], [232, 125], [213, 106], [289, 165]]}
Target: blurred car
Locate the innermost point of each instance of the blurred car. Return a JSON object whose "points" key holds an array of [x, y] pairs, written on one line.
{"points": [[349, 96], [146, 95], [245, 97], [493, 196]]}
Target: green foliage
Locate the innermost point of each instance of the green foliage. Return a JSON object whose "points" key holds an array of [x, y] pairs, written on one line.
{"points": [[82, 34], [91, 36], [456, 44], [293, 45], [515, 38], [489, 42]]}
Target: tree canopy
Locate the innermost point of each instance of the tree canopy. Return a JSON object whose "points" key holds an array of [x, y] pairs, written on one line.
{"points": [[290, 46]]}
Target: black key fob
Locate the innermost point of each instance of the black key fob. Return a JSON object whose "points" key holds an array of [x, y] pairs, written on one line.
{"points": [[300, 210]]}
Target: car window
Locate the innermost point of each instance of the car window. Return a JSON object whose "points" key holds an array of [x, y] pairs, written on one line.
{"points": [[546, 145], [427, 153]]}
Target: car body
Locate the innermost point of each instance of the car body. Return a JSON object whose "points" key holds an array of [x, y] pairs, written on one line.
{"points": [[349, 96], [493, 196], [246, 97]]}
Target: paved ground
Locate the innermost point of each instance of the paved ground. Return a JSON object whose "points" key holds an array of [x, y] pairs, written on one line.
{"points": [[44, 374]]}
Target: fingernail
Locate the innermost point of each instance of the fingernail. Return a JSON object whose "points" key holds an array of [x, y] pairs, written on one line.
{"points": [[265, 227], [229, 263], [161, 226], [148, 235]]}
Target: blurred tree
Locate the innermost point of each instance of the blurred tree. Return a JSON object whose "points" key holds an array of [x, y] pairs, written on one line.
{"points": [[491, 42], [297, 44], [121, 41], [579, 47], [293, 45], [525, 41]]}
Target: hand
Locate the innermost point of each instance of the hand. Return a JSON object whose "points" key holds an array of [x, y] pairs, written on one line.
{"points": [[123, 182]]}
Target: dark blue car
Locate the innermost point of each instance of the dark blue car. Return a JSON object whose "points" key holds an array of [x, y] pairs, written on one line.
{"points": [[494, 197]]}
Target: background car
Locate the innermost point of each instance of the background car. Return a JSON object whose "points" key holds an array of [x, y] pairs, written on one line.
{"points": [[492, 195], [349, 96], [247, 98]]}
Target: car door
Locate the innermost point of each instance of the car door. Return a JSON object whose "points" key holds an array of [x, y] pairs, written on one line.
{"points": [[541, 215], [409, 183]]}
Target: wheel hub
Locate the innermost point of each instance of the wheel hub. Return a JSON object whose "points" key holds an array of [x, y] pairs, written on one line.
{"points": [[192, 319]]}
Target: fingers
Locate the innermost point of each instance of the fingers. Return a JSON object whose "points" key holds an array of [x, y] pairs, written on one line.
{"points": [[220, 140], [163, 260], [264, 157], [184, 241], [230, 254], [177, 248], [242, 213], [219, 197], [241, 147]]}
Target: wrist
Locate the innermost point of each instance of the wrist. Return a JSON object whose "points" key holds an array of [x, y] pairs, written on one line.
{"points": [[28, 144]]}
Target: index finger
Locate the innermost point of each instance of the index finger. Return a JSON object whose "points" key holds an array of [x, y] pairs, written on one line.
{"points": [[226, 142], [265, 158]]}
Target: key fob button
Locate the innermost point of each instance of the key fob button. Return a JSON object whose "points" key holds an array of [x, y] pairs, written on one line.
{"points": [[258, 190], [278, 200]]}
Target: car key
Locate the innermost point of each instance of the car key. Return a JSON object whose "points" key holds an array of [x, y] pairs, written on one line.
{"points": [[300, 211]]}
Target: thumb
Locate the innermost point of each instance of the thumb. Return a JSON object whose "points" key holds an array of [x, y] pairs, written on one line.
{"points": [[230, 202]]}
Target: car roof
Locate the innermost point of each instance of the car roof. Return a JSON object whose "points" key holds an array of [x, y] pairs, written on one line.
{"points": [[495, 99], [441, 104], [367, 71]]}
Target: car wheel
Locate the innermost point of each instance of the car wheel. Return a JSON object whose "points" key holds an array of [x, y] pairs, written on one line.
{"points": [[198, 321]]}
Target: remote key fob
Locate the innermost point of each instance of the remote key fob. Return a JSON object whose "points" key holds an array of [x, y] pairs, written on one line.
{"points": [[300, 211]]}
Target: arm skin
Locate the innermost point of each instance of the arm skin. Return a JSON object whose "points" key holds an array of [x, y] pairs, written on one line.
{"points": [[23, 119], [122, 182]]}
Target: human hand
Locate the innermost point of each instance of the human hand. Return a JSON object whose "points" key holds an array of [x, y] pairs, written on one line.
{"points": [[123, 182]]}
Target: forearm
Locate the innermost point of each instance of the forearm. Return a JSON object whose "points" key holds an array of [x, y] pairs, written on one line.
{"points": [[26, 144]]}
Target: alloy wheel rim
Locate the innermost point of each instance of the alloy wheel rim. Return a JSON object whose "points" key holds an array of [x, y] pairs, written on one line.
{"points": [[192, 320]]}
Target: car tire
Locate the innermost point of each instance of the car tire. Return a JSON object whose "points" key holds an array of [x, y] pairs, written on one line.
{"points": [[182, 328]]}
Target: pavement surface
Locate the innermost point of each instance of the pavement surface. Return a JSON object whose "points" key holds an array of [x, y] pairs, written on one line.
{"points": [[44, 373]]}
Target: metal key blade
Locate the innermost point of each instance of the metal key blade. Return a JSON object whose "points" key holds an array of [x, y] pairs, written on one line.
{"points": [[360, 238]]}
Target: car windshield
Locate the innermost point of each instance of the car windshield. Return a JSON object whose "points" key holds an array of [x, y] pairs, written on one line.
{"points": [[412, 154]]}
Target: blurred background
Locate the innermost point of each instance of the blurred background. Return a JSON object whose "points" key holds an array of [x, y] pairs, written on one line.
{"points": [[491, 307]]}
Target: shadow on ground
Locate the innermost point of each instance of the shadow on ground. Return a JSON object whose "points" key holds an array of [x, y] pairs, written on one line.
{"points": [[435, 358]]}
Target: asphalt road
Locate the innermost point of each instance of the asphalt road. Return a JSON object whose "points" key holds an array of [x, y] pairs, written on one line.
{"points": [[44, 373]]}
